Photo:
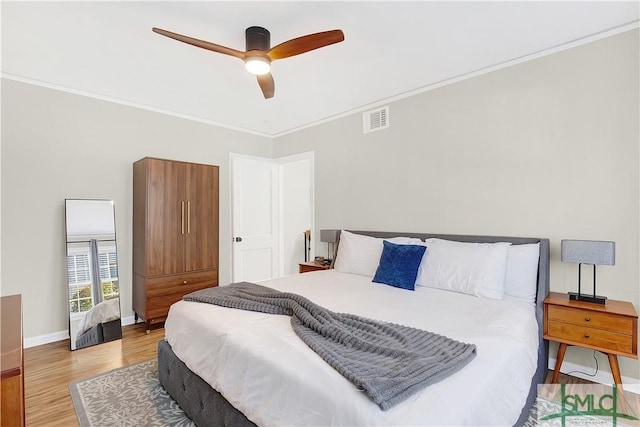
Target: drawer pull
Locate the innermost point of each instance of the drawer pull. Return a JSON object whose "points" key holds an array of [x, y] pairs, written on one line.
{"points": [[184, 282], [587, 319], [586, 335]]}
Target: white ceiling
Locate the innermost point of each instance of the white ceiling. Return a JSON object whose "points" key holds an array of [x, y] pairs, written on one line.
{"points": [[107, 50]]}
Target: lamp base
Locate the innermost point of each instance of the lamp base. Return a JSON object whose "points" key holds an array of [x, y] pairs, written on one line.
{"points": [[587, 298]]}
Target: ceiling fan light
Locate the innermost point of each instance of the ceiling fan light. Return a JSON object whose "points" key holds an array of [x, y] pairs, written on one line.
{"points": [[258, 65]]}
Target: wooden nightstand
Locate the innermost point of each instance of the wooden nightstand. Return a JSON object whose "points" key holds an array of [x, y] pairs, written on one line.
{"points": [[312, 266], [611, 328]]}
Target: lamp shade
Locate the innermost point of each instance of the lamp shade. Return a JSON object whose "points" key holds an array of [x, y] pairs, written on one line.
{"points": [[588, 252], [329, 236]]}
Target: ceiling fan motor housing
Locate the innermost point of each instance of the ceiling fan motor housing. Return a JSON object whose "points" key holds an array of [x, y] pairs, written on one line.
{"points": [[258, 38]]}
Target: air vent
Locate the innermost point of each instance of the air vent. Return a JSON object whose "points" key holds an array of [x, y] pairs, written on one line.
{"points": [[375, 120]]}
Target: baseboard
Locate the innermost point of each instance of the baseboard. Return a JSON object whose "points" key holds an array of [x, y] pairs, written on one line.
{"points": [[128, 320], [603, 376], [46, 339], [63, 335]]}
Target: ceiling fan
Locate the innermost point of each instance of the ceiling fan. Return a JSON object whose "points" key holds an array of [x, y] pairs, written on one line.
{"points": [[259, 53]]}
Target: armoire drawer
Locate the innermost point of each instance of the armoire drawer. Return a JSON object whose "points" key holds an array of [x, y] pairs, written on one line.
{"points": [[164, 291], [158, 285]]}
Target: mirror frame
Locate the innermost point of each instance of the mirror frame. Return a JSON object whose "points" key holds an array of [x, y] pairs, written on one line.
{"points": [[102, 321]]}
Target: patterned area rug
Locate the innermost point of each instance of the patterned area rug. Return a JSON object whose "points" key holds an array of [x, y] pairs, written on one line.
{"points": [[129, 396], [132, 396]]}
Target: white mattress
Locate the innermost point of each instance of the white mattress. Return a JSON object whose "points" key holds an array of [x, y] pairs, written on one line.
{"points": [[106, 311], [261, 367]]}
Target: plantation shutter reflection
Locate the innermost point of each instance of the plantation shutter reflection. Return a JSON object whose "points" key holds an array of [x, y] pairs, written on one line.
{"points": [[79, 275]]}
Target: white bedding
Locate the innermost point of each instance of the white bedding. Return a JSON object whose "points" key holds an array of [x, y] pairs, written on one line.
{"points": [[261, 367], [103, 312]]}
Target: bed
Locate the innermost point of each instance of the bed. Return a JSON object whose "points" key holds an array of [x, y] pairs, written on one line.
{"points": [[100, 324], [235, 367], [102, 332]]}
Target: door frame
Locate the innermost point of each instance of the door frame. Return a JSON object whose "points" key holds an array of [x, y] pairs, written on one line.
{"points": [[280, 161]]}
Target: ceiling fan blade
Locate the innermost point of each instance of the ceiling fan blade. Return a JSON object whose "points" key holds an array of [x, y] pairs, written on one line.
{"points": [[267, 85], [305, 44], [201, 43]]}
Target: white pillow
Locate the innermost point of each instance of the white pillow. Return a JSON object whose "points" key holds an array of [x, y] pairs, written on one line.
{"points": [[522, 272], [405, 241], [472, 268], [359, 254]]}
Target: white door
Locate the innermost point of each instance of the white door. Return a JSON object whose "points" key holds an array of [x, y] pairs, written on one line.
{"points": [[255, 218], [296, 210]]}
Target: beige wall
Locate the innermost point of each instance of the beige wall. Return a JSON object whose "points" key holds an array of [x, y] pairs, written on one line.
{"points": [[546, 148], [57, 145]]}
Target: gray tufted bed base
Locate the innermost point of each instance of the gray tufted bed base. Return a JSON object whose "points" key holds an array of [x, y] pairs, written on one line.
{"points": [[206, 407], [102, 332]]}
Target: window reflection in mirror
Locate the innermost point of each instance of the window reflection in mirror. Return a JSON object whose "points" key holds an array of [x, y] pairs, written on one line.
{"points": [[92, 272]]}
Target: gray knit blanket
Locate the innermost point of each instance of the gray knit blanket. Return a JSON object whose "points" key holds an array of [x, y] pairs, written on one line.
{"points": [[389, 362]]}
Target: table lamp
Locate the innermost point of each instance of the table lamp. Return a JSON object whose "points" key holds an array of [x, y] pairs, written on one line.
{"points": [[588, 252], [331, 237]]}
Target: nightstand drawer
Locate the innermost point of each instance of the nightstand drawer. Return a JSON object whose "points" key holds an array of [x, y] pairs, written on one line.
{"points": [[592, 337], [591, 319]]}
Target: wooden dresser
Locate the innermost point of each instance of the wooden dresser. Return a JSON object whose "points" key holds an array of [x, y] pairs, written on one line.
{"points": [[175, 233], [611, 328], [12, 362]]}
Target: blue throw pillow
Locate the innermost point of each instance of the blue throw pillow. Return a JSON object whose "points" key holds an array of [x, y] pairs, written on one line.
{"points": [[399, 265]]}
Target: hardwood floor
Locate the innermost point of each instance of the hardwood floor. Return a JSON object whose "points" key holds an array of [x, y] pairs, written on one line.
{"points": [[51, 367], [566, 379]]}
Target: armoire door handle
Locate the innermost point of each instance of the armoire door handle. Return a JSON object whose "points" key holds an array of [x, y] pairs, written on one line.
{"points": [[182, 218], [189, 217]]}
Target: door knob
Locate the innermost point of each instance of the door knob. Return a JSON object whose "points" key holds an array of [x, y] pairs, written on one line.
{"points": [[238, 239]]}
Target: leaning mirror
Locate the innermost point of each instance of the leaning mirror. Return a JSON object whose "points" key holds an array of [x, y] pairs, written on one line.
{"points": [[92, 272]]}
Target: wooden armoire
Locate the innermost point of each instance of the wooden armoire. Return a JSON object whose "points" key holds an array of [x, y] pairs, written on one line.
{"points": [[175, 233]]}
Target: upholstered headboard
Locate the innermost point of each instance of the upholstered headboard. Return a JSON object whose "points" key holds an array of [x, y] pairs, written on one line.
{"points": [[542, 290]]}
